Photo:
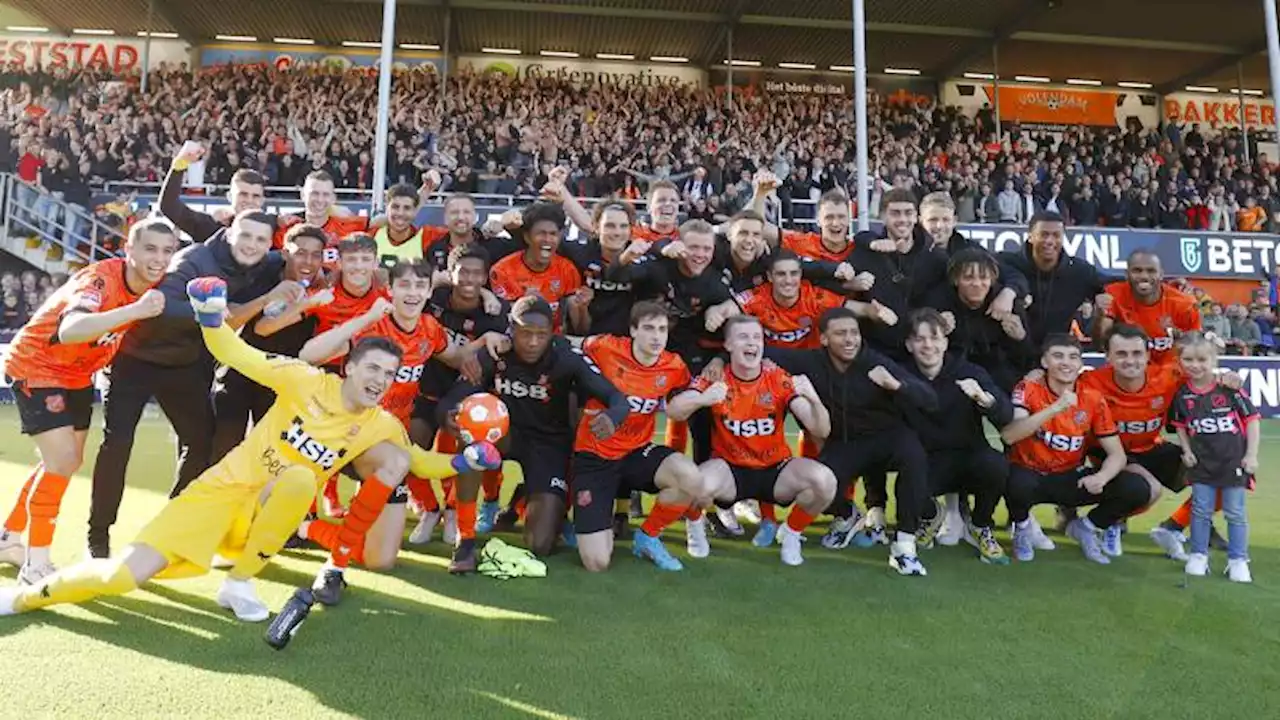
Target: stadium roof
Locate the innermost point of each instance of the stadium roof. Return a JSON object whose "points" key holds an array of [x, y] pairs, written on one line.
{"points": [[1169, 43]]}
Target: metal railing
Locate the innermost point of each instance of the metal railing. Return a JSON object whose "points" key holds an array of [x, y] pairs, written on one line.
{"points": [[33, 212]]}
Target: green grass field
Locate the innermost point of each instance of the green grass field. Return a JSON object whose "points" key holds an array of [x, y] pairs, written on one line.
{"points": [[736, 636]]}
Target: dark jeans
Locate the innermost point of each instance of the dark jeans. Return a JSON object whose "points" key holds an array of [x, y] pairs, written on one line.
{"points": [[183, 394], [981, 472], [898, 449], [1122, 496]]}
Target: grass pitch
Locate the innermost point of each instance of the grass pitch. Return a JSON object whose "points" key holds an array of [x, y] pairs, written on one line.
{"points": [[736, 636]]}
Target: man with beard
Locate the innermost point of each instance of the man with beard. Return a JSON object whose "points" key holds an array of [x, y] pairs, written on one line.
{"points": [[539, 270], [246, 193], [1143, 300], [319, 201]]}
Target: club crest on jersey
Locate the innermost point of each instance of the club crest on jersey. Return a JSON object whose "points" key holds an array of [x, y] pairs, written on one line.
{"points": [[660, 382], [55, 403], [1219, 401], [1081, 415], [1157, 403], [584, 498], [309, 448], [468, 325], [353, 431], [555, 286], [766, 398]]}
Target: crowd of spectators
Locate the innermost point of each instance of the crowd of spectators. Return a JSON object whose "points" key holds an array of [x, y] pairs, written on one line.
{"points": [[20, 294], [71, 132]]}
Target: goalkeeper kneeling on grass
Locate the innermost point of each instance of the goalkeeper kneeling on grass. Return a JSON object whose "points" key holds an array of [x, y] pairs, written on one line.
{"points": [[247, 505]]}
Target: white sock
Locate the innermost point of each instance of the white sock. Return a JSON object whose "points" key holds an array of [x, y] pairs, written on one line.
{"points": [[38, 555], [951, 503]]}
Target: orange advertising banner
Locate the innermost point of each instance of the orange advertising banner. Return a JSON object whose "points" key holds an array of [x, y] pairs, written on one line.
{"points": [[1048, 106]]}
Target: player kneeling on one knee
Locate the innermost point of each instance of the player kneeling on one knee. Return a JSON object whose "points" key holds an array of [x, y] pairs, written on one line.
{"points": [[643, 370], [751, 458]]}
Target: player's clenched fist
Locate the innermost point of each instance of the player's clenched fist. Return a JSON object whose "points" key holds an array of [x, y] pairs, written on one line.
{"points": [[882, 377], [208, 297], [715, 394], [974, 391], [1066, 401], [149, 305]]}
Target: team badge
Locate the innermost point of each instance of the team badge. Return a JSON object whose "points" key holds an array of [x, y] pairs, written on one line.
{"points": [[806, 321], [1157, 403], [766, 399], [1191, 255], [354, 431], [661, 382], [1219, 401], [55, 403], [543, 379], [584, 498], [555, 286], [1081, 416], [468, 325]]}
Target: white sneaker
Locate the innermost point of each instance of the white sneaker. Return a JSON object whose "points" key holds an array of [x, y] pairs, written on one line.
{"points": [[747, 511], [1198, 564], [791, 542], [729, 519], [12, 551], [903, 558], [695, 538], [1171, 542], [239, 597], [1038, 539], [220, 563], [426, 527], [9, 599], [953, 528], [1238, 571], [32, 573], [450, 534], [875, 527]]}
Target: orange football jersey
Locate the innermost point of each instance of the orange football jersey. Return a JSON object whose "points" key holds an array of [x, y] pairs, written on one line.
{"points": [[1139, 416], [336, 227], [511, 278], [344, 306], [645, 232], [35, 355], [789, 327], [1060, 444], [1175, 310], [809, 245], [426, 339], [749, 428], [646, 388]]}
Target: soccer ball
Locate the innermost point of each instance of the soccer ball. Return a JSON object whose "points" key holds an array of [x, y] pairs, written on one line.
{"points": [[482, 417]]}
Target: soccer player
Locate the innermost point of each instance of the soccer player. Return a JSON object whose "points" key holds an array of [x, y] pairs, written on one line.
{"points": [[460, 229], [905, 276], [786, 306], [459, 308], [540, 270], [420, 339], [246, 193], [1144, 300], [1054, 424], [319, 201], [685, 276], [397, 237], [247, 505], [960, 459], [831, 243], [1140, 395], [750, 455], [51, 364], [1059, 284], [355, 290], [663, 204], [746, 258], [236, 399], [641, 367], [535, 379], [1220, 433], [999, 346], [164, 358], [609, 307]]}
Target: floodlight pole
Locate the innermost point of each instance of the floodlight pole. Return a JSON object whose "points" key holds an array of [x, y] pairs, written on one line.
{"points": [[995, 85], [729, 61], [146, 45], [444, 65], [1244, 125], [384, 103], [860, 112], [1273, 57]]}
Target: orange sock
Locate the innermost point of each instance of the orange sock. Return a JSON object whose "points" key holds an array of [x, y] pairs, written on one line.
{"points": [[422, 494], [848, 493], [660, 516], [42, 506], [365, 508], [325, 534], [17, 522], [798, 519], [449, 488], [467, 520], [768, 511], [520, 508], [1182, 516], [492, 485], [677, 435], [694, 513], [807, 447]]}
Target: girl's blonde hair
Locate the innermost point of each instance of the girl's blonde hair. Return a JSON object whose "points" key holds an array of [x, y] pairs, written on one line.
{"points": [[1196, 339]]}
